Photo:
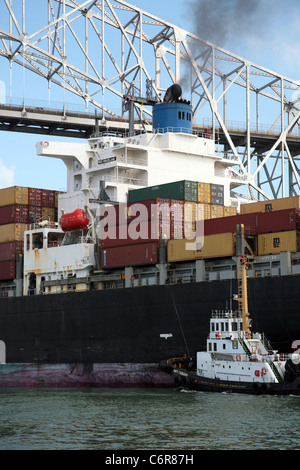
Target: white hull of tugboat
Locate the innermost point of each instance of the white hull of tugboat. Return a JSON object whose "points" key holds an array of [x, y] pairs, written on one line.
{"points": [[190, 380]]}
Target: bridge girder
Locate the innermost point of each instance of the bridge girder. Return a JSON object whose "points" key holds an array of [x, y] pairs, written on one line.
{"points": [[99, 50]]}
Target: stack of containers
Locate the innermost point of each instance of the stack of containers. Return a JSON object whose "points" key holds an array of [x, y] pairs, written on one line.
{"points": [[134, 231], [13, 223], [19, 206], [278, 226], [276, 231], [132, 237], [177, 219]]}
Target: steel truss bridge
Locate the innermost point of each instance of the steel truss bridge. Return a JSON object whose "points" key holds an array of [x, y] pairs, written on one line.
{"points": [[97, 51]]}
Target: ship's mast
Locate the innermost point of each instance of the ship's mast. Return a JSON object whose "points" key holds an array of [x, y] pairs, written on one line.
{"points": [[243, 296]]}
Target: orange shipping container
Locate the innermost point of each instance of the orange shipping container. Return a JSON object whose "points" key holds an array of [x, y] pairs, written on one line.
{"points": [[219, 245], [13, 195], [12, 232], [216, 211], [48, 213], [277, 242], [229, 211], [204, 192], [271, 205]]}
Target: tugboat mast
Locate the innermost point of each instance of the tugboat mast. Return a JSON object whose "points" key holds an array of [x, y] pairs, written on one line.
{"points": [[243, 297]]}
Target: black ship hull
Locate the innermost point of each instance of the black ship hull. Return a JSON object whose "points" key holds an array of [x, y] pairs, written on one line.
{"points": [[142, 325]]}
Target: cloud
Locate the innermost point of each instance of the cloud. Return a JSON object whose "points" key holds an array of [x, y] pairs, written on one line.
{"points": [[7, 175]]}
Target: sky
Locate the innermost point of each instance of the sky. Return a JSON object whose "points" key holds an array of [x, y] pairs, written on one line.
{"points": [[263, 31]]}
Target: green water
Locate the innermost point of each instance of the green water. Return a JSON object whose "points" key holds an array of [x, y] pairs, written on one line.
{"points": [[146, 420]]}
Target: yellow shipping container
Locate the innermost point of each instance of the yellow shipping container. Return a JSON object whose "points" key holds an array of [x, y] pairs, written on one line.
{"points": [[190, 211], [204, 192], [219, 245], [48, 212], [204, 211], [13, 195], [274, 243], [216, 211], [12, 232], [228, 211], [272, 205]]}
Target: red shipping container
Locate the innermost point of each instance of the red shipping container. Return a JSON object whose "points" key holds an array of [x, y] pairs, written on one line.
{"points": [[48, 198], [14, 214], [34, 197], [136, 233], [279, 221], [7, 270], [131, 255], [34, 213], [9, 250], [228, 224], [126, 213], [177, 229]]}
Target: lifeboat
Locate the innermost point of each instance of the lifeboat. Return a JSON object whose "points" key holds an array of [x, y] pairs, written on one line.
{"points": [[76, 220]]}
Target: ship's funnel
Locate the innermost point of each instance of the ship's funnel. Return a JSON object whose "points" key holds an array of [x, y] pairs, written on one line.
{"points": [[173, 93]]}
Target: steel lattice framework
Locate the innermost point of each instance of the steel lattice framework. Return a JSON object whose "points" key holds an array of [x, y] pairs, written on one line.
{"points": [[99, 50]]}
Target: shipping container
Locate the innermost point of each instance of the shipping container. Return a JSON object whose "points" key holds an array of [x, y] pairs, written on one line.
{"points": [[217, 194], [34, 197], [16, 213], [214, 246], [137, 233], [7, 270], [229, 211], [48, 198], [140, 211], [228, 224], [10, 250], [178, 190], [56, 195], [13, 195], [216, 211], [204, 192], [274, 243], [131, 255], [48, 213], [285, 220], [34, 213], [12, 232], [271, 205], [206, 211]]}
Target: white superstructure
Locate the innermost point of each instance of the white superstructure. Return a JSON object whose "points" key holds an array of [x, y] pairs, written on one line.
{"points": [[134, 162], [232, 356]]}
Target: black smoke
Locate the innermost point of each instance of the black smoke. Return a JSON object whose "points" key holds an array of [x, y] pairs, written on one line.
{"points": [[225, 22]]}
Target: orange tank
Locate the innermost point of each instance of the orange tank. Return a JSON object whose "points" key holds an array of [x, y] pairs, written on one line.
{"points": [[76, 220]]}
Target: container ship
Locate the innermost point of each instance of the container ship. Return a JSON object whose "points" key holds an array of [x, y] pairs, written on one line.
{"points": [[100, 283]]}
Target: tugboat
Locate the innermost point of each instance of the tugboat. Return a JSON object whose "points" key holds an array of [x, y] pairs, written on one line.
{"points": [[235, 359]]}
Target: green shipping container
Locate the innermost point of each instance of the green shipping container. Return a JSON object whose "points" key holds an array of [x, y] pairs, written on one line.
{"points": [[179, 190]]}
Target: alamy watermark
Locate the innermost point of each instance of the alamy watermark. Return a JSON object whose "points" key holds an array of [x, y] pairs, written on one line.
{"points": [[142, 221], [296, 354]]}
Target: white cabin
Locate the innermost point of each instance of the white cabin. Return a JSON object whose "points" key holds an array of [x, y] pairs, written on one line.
{"points": [[232, 356]]}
